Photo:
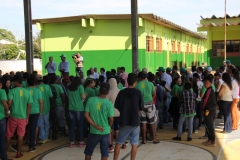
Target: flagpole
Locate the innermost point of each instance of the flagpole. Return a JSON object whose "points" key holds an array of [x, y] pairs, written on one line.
{"points": [[225, 35]]}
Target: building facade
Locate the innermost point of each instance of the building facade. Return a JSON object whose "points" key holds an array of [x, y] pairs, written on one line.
{"points": [[105, 41], [214, 27]]}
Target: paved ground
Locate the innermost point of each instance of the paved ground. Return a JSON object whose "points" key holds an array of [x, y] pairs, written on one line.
{"points": [[227, 148]]}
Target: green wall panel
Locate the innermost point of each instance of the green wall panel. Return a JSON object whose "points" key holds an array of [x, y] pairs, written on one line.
{"points": [[109, 59]]}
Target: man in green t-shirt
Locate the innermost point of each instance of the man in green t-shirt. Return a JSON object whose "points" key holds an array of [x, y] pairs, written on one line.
{"points": [[148, 114], [99, 113], [4, 110], [60, 103], [43, 121], [19, 101], [36, 110]]}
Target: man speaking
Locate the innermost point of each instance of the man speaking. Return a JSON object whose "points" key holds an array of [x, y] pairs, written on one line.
{"points": [[51, 67]]}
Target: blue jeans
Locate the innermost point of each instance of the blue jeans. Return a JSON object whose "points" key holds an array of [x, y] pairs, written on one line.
{"points": [[33, 121], [93, 140], [225, 107], [160, 115], [167, 116], [3, 153], [189, 121], [76, 121], [43, 124]]}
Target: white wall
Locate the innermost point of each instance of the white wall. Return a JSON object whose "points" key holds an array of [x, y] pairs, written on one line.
{"points": [[19, 65]]}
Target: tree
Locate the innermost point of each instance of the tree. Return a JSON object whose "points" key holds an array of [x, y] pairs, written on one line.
{"points": [[7, 35], [37, 46], [10, 52]]}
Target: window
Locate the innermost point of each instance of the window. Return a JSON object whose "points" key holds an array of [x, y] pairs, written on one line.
{"points": [[232, 48], [149, 44], [187, 48], [179, 47], [159, 44], [173, 47], [191, 51]]}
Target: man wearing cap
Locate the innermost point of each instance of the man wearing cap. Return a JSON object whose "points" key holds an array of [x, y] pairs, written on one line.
{"points": [[169, 70], [51, 67], [228, 62], [64, 66], [168, 79], [209, 69]]}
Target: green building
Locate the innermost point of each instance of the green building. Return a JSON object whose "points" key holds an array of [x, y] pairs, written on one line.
{"points": [[214, 27], [105, 41]]}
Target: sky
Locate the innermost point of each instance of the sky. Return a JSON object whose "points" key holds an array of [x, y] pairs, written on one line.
{"points": [[185, 13]]}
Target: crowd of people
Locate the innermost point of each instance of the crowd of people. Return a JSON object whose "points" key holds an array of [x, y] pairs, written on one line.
{"points": [[112, 105]]}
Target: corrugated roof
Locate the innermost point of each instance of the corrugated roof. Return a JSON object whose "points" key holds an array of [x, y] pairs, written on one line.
{"points": [[227, 16], [151, 17], [219, 25]]}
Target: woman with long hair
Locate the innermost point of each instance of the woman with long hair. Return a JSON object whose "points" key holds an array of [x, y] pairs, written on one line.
{"points": [[174, 105], [76, 110], [6, 83], [235, 95], [225, 97]]}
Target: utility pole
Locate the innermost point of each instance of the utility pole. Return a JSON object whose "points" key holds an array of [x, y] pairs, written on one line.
{"points": [[28, 35], [134, 26], [225, 34]]}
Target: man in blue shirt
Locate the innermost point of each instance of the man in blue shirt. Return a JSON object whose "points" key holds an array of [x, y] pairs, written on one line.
{"points": [[168, 79], [51, 67], [64, 66]]}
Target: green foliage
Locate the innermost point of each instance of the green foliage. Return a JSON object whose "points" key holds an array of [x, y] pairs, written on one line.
{"points": [[7, 35], [9, 52], [37, 46]]}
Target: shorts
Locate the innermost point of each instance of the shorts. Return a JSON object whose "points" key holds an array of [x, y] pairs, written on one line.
{"points": [[60, 116], [92, 142], [148, 114], [128, 131], [115, 125], [14, 124]]}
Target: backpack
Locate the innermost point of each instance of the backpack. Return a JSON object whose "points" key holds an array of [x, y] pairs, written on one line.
{"points": [[53, 99]]}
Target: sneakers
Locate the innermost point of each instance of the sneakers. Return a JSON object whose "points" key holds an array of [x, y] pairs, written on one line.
{"points": [[19, 155], [82, 144], [189, 139], [211, 144], [14, 147], [110, 149], [205, 142], [71, 145], [195, 132], [32, 149], [177, 138]]}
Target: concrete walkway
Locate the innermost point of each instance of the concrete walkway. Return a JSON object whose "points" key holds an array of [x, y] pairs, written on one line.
{"points": [[227, 148]]}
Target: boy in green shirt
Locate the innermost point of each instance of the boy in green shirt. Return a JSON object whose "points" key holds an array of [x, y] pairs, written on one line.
{"points": [[36, 110], [99, 113], [43, 121], [19, 101], [4, 110]]}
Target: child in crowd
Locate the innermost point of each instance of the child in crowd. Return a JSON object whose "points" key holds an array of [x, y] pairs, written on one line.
{"points": [[43, 121], [4, 111], [36, 110], [19, 101], [90, 92], [209, 108], [99, 113], [76, 111], [187, 111]]}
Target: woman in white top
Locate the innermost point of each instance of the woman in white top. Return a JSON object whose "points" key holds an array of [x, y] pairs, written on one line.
{"points": [[225, 97], [235, 95], [113, 92]]}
